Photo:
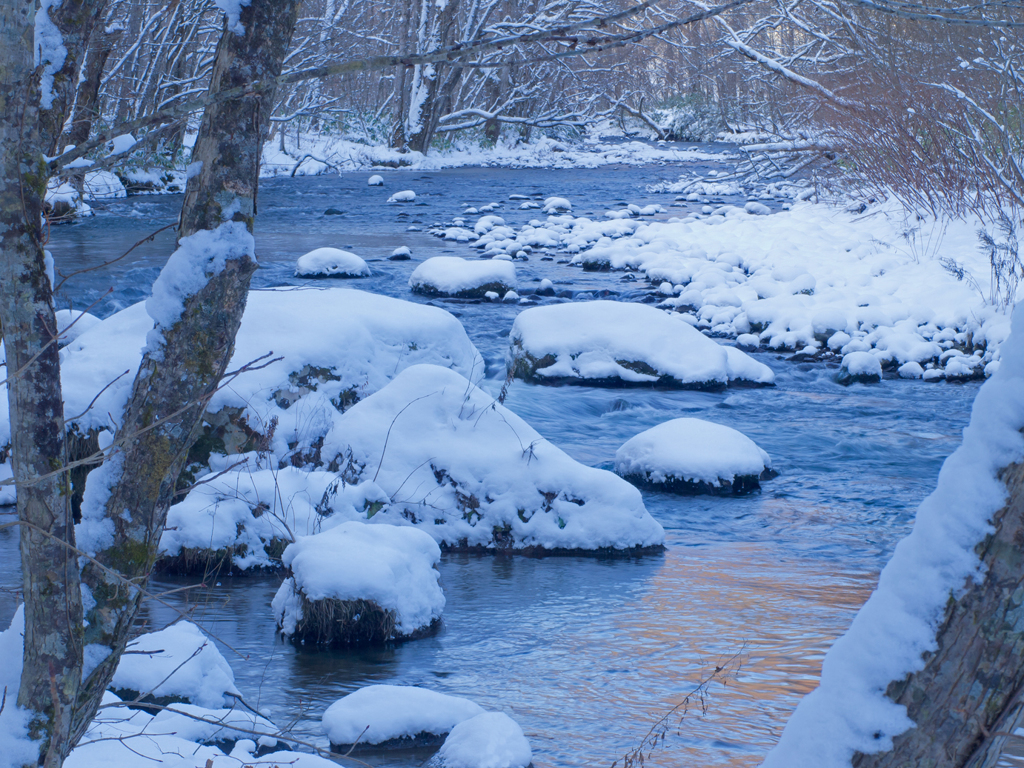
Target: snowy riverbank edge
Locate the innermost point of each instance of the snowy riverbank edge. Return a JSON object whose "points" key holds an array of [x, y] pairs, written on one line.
{"points": [[849, 711]]}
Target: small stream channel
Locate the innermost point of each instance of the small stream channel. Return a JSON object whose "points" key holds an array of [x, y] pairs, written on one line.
{"points": [[585, 653]]}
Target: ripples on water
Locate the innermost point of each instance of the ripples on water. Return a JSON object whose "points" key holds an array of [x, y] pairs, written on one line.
{"points": [[585, 653]]}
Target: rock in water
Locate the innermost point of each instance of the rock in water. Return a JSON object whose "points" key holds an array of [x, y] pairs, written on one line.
{"points": [[860, 367], [331, 262], [453, 277], [360, 583], [490, 740], [613, 343], [399, 716], [693, 456]]}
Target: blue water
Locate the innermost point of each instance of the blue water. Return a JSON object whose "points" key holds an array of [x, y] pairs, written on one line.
{"points": [[585, 653]]}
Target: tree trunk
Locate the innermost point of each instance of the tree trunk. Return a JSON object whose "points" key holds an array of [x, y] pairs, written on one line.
{"points": [[176, 380], [28, 128], [437, 29], [87, 101], [968, 697]]}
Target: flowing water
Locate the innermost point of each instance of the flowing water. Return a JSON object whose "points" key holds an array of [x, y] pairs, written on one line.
{"points": [[586, 653]]}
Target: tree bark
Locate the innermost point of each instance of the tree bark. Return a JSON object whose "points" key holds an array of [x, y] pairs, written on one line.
{"points": [[53, 602], [164, 415], [87, 100], [968, 697]]}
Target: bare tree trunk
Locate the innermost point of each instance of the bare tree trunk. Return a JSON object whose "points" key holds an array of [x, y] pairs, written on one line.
{"points": [[87, 102], [175, 381], [28, 128], [431, 89], [967, 699]]}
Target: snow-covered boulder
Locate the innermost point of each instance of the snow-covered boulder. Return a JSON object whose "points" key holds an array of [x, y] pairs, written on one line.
{"points": [[472, 474], [556, 205], [375, 181], [405, 196], [72, 323], [359, 583], [330, 262], [490, 740], [860, 367], [395, 715], [178, 663], [244, 518], [693, 456], [321, 350], [619, 344], [454, 277], [402, 253]]}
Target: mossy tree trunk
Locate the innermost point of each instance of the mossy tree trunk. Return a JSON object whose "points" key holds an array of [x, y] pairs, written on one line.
{"points": [[164, 415], [967, 699], [50, 581]]}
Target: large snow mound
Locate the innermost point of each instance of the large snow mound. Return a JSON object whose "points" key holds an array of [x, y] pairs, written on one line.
{"points": [[888, 639], [468, 471], [693, 451], [178, 662], [330, 262], [379, 713], [393, 567], [321, 349], [460, 278], [490, 740], [611, 342]]}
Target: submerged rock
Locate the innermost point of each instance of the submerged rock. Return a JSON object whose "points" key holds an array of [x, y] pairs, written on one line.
{"points": [[453, 277], [395, 716], [612, 343], [357, 583], [693, 456]]}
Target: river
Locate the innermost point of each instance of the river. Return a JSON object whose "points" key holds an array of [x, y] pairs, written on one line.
{"points": [[585, 653]]}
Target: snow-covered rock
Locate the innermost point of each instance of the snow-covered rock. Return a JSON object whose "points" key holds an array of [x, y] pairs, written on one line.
{"points": [[693, 456], [395, 713], [490, 740], [860, 367], [360, 583], [455, 277], [330, 262], [375, 181], [556, 205], [472, 474], [71, 324], [619, 343], [177, 663], [322, 349], [402, 253], [405, 196]]}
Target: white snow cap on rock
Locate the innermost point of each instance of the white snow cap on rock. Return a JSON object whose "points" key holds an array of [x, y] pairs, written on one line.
{"points": [[849, 711], [388, 712], [405, 196], [556, 205], [389, 565], [693, 450], [330, 262], [452, 275], [375, 181], [435, 443], [589, 339], [178, 661], [490, 740]]}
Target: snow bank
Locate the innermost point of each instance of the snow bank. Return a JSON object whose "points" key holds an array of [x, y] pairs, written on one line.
{"points": [[72, 324], [849, 711], [691, 455], [330, 262], [490, 740], [610, 342], [391, 567], [179, 662], [469, 472], [463, 279], [379, 713]]}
